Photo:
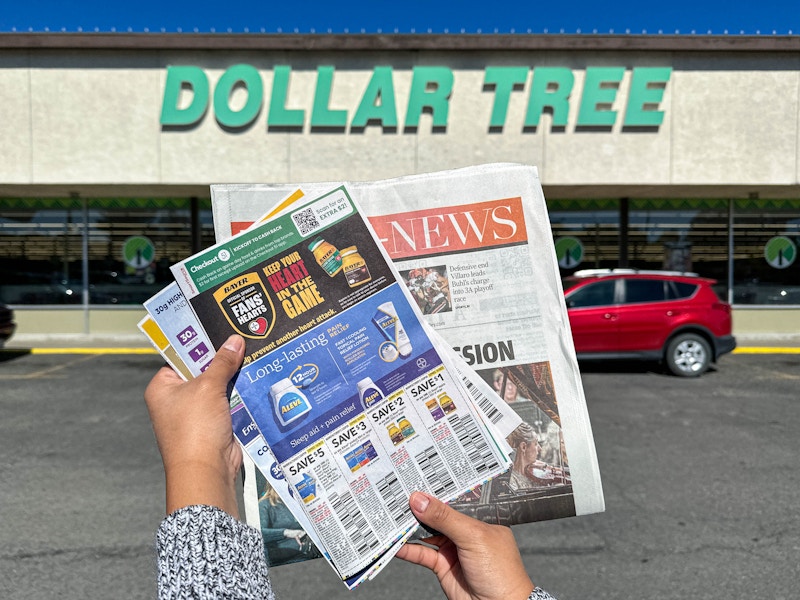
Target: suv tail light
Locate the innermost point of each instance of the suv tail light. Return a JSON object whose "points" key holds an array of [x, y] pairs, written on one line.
{"points": [[723, 306]]}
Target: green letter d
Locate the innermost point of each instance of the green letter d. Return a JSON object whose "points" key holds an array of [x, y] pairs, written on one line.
{"points": [[177, 78]]}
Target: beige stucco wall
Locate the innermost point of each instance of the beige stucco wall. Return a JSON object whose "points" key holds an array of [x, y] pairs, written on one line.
{"points": [[767, 322], [92, 117], [49, 321]]}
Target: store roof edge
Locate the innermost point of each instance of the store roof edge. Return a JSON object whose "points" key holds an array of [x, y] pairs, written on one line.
{"points": [[401, 41], [551, 191]]}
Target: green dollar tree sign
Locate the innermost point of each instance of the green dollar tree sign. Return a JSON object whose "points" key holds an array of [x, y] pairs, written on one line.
{"points": [[780, 252], [138, 252], [569, 252]]}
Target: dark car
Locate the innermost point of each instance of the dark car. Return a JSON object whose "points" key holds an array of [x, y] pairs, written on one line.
{"points": [[7, 324], [666, 316]]}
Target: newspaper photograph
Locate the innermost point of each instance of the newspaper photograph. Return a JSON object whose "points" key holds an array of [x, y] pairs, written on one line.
{"points": [[353, 398], [475, 250]]}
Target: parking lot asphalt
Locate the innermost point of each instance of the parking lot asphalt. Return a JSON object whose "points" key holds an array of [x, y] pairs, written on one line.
{"points": [[699, 475]]}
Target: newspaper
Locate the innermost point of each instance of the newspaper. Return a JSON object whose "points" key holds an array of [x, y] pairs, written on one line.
{"points": [[341, 375], [475, 248]]}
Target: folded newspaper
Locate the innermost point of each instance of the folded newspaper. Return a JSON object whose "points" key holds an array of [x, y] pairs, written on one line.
{"points": [[474, 248]]}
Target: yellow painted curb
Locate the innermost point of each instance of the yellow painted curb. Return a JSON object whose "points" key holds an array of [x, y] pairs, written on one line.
{"points": [[767, 350]]}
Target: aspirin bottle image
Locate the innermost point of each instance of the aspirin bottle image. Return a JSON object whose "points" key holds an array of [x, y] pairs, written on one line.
{"points": [[405, 427], [354, 267], [327, 256], [395, 434], [446, 403]]}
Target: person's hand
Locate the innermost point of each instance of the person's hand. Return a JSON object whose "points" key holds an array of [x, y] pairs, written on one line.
{"points": [[295, 534], [472, 559], [192, 423]]}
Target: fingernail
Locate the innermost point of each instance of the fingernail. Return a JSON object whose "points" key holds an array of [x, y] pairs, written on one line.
{"points": [[419, 502], [234, 343]]}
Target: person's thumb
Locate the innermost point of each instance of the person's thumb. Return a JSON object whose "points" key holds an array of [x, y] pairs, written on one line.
{"points": [[226, 362], [439, 516]]}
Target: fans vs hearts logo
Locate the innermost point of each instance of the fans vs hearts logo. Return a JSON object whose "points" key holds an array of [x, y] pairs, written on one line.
{"points": [[247, 306]]}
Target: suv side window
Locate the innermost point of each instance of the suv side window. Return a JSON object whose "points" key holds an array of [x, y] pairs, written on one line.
{"points": [[644, 290], [599, 293], [678, 290]]}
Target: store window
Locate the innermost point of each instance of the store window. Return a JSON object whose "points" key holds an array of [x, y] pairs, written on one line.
{"points": [[680, 235], [693, 235], [766, 236], [130, 245], [676, 235], [594, 224]]}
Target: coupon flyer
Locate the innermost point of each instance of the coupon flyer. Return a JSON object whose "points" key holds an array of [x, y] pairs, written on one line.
{"points": [[356, 401]]}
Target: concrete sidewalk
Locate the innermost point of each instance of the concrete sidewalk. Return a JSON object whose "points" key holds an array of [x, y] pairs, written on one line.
{"points": [[135, 343], [778, 343]]}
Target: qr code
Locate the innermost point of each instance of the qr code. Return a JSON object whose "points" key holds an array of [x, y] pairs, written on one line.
{"points": [[305, 221]]}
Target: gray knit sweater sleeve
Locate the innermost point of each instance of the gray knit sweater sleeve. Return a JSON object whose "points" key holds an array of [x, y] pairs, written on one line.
{"points": [[205, 553], [540, 594]]}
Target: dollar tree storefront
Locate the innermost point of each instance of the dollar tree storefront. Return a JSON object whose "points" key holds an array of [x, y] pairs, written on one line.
{"points": [[677, 152]]}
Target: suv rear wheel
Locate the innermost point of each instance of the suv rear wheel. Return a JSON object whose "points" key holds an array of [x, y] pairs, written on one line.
{"points": [[688, 355]]}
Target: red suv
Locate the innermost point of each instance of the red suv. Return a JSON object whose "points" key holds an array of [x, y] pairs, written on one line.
{"points": [[653, 315]]}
